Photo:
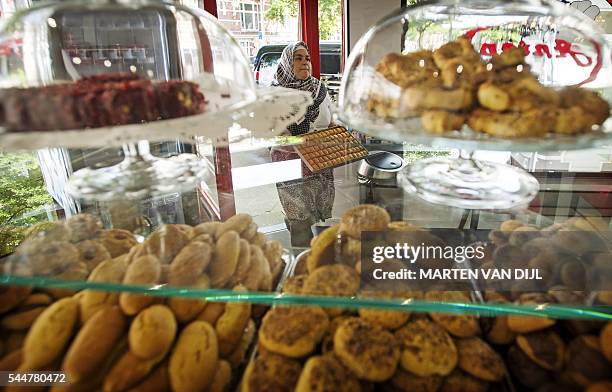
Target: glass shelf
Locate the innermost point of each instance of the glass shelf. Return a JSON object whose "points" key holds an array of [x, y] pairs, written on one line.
{"points": [[597, 312]]}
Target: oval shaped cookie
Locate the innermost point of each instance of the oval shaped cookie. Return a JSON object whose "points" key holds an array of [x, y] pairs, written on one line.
{"points": [[166, 242], [152, 332], [142, 271], [50, 334], [244, 263], [367, 350], [236, 357], [225, 259], [93, 343], [222, 378], [189, 264], [231, 325], [237, 223], [194, 359]]}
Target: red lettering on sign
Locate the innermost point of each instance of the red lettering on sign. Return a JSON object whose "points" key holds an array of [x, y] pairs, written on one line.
{"points": [[488, 49], [541, 50]]}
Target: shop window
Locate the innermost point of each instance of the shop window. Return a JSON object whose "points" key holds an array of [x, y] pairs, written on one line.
{"points": [[250, 17]]}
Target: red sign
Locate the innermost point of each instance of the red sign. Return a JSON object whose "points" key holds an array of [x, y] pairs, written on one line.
{"points": [[562, 49]]}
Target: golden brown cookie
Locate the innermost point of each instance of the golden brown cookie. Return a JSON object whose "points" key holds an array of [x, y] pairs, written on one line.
{"points": [[152, 332], [480, 360], [426, 348], [91, 301], [187, 309], [544, 348], [271, 372], [462, 326], [22, 318], [294, 284], [231, 325], [194, 358], [367, 350], [157, 381], [83, 227], [250, 232], [209, 228], [189, 264], [293, 331], [459, 381], [322, 250], [50, 334], [388, 319], [237, 223], [259, 273], [364, 217], [244, 263], [127, 372], [211, 313], [236, 357], [94, 343], [92, 253], [525, 324], [441, 121], [404, 381], [166, 242], [117, 241], [332, 280], [144, 270], [225, 259], [222, 378], [326, 373]]}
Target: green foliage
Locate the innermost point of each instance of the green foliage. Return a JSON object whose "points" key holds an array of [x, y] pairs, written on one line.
{"points": [[330, 19], [21, 190]]}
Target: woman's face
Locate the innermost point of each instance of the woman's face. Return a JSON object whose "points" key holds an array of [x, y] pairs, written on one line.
{"points": [[301, 64]]}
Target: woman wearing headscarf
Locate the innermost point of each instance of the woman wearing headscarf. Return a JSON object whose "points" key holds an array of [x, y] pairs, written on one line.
{"points": [[309, 199]]}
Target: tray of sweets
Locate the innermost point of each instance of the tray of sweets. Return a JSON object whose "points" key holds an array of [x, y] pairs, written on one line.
{"points": [[330, 148]]}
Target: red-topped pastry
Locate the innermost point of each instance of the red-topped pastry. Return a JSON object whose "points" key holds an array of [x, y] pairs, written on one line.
{"points": [[97, 101]]}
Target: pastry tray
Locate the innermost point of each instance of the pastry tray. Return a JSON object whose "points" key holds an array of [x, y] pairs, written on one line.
{"points": [[329, 148]]}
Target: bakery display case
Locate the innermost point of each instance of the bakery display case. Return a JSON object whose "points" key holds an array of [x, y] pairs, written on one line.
{"points": [[505, 75], [142, 288]]}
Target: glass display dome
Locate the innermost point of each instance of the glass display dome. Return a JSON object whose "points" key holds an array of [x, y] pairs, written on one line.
{"points": [[99, 73], [493, 75]]}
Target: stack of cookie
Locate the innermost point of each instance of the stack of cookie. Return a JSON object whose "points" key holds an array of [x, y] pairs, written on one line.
{"points": [[167, 345], [547, 354], [212, 254], [309, 349], [572, 256], [452, 86]]}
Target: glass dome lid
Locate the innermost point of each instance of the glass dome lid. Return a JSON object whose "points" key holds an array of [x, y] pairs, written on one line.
{"points": [[498, 74], [152, 39], [87, 74]]}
